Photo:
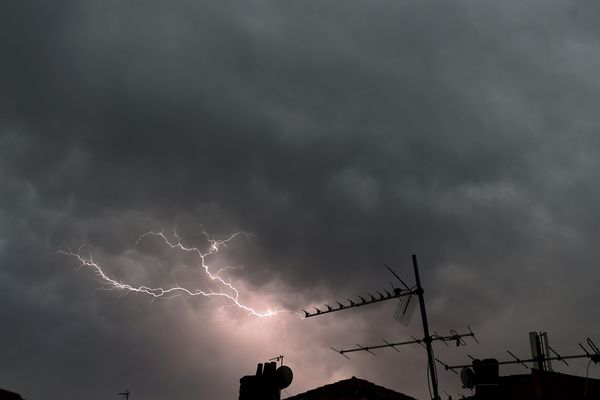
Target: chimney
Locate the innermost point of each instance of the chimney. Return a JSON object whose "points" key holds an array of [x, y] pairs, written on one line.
{"points": [[262, 386]]}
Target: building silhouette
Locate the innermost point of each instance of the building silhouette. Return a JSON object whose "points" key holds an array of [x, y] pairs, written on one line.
{"points": [[351, 389], [538, 385], [7, 395]]}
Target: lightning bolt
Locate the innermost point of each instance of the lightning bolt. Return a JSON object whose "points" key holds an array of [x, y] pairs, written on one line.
{"points": [[226, 289]]}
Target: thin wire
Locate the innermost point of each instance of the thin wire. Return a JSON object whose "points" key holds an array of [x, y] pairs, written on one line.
{"points": [[587, 378], [435, 370], [428, 383], [429, 380]]}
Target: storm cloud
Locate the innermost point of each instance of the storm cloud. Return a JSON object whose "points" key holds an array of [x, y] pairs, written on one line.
{"points": [[341, 134]]}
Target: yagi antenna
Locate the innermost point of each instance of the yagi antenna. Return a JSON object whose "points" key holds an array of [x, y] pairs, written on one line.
{"points": [[408, 298], [393, 345], [541, 360], [404, 310], [278, 359], [594, 357], [398, 293]]}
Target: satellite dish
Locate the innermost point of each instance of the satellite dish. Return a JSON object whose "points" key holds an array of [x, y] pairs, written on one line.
{"points": [[284, 376], [467, 376]]}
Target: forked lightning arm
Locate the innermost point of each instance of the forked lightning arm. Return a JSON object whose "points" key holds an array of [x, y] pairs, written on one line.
{"points": [[226, 289]]}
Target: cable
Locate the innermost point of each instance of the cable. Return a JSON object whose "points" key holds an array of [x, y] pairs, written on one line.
{"points": [[428, 382], [435, 371], [436, 374], [587, 378]]}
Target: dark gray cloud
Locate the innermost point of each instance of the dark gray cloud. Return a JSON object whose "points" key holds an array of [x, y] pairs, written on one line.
{"points": [[343, 135]]}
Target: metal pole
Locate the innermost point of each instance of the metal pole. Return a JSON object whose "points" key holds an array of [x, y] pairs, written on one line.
{"points": [[427, 337]]}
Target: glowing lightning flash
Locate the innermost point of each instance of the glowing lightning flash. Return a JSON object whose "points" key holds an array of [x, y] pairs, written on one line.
{"points": [[231, 294]]}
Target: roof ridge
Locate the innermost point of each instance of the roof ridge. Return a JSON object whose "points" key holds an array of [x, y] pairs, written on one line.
{"points": [[312, 393]]}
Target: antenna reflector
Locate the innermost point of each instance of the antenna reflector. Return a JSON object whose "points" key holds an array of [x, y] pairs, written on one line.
{"points": [[405, 309]]}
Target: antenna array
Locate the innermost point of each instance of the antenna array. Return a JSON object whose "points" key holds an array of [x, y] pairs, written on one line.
{"points": [[278, 358], [396, 293], [404, 311], [453, 337], [541, 359]]}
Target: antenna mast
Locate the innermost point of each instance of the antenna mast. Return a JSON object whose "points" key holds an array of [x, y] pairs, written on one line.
{"points": [[403, 315], [426, 335]]}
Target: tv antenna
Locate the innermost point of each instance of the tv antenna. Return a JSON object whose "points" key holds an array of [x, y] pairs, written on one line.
{"points": [[278, 358], [125, 394], [404, 311], [540, 355]]}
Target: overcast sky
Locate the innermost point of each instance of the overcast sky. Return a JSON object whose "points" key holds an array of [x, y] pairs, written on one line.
{"points": [[341, 135]]}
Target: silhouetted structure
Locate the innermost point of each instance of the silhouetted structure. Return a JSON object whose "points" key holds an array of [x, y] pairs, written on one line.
{"points": [[267, 383], [403, 315], [351, 389], [6, 395], [541, 384]]}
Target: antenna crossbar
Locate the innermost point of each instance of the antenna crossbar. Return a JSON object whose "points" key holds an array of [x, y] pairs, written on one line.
{"points": [[519, 361], [594, 356], [453, 337], [558, 356], [278, 358], [378, 346], [403, 315]]}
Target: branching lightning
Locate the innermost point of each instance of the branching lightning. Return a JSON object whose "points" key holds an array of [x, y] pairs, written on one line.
{"points": [[226, 289]]}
